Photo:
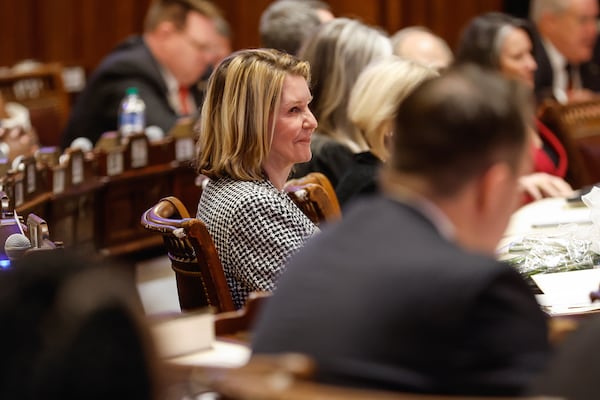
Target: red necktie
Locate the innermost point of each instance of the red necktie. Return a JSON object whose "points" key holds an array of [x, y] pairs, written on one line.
{"points": [[183, 100]]}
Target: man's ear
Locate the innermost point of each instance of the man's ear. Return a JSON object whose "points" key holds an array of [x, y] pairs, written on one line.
{"points": [[491, 188]]}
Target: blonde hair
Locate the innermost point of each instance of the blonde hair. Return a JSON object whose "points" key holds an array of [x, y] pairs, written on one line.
{"points": [[337, 53], [377, 94], [236, 121]]}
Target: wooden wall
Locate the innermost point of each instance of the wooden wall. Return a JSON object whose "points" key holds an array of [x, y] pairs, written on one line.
{"points": [[80, 32]]}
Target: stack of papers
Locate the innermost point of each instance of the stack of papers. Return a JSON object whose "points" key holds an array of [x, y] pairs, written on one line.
{"points": [[567, 293]]}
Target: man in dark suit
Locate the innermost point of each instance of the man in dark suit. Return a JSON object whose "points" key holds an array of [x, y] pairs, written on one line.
{"points": [[165, 64], [565, 35], [405, 293]]}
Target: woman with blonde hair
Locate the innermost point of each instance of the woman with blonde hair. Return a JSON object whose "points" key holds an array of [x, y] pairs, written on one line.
{"points": [[373, 104], [337, 53], [255, 124]]}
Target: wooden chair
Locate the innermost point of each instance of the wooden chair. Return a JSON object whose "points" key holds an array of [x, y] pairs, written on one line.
{"points": [[200, 278], [239, 323], [42, 91], [577, 126], [315, 196]]}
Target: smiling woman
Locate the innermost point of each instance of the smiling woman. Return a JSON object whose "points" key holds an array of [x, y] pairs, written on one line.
{"points": [[254, 126]]}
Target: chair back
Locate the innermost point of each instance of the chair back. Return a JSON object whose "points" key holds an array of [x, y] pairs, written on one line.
{"points": [[315, 196], [577, 126], [199, 274], [42, 91]]}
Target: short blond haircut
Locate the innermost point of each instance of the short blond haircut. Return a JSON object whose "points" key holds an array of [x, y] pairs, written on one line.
{"points": [[376, 95], [236, 122]]}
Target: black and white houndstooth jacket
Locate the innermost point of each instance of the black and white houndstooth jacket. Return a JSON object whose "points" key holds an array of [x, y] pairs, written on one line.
{"points": [[256, 228]]}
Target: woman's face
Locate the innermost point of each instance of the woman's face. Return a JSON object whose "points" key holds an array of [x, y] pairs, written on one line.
{"points": [[294, 125], [516, 60]]}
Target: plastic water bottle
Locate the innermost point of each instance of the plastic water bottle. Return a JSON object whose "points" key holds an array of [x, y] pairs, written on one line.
{"points": [[132, 113]]}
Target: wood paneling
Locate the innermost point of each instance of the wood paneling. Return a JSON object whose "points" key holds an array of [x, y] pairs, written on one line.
{"points": [[76, 32]]}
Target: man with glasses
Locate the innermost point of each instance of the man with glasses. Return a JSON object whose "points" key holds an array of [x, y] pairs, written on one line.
{"points": [[564, 50], [165, 64]]}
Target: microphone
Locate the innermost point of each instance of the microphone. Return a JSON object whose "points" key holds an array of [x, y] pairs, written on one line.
{"points": [[82, 143], [16, 245], [154, 133]]}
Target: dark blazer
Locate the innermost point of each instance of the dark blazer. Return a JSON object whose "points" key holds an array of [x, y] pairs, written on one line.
{"points": [[359, 179], [129, 64], [382, 300], [329, 157], [544, 76], [573, 370]]}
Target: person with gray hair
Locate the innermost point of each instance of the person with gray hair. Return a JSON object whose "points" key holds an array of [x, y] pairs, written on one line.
{"points": [[405, 292], [564, 45], [285, 24], [420, 44], [350, 46]]}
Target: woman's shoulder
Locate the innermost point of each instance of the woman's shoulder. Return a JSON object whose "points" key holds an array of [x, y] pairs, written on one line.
{"points": [[232, 191]]}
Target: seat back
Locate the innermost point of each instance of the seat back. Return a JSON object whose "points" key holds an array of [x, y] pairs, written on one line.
{"points": [[315, 196], [199, 274], [42, 91], [577, 126]]}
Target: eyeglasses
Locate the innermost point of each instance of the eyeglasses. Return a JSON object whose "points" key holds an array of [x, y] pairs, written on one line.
{"points": [[200, 46]]}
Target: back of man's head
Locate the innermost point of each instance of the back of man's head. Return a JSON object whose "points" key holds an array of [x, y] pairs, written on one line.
{"points": [[176, 11], [286, 23], [452, 128]]}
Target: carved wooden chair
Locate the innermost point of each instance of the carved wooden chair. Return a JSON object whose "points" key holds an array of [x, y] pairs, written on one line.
{"points": [[315, 196], [577, 125], [42, 91], [199, 274]]}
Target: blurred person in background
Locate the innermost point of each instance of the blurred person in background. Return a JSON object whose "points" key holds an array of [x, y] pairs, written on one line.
{"points": [[419, 44], [503, 43], [285, 24], [373, 104], [565, 35], [165, 64], [350, 46]]}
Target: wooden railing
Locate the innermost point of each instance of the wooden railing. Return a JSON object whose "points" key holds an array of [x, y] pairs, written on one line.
{"points": [[95, 199]]}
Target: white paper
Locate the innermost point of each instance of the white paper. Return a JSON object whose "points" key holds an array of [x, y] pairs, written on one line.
{"points": [[568, 289]]}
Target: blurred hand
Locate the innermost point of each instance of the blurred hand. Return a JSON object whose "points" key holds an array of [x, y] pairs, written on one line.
{"points": [[577, 95], [540, 184]]}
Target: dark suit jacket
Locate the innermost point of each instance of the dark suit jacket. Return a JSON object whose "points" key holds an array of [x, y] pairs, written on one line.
{"points": [[359, 179], [329, 157], [544, 76], [573, 370], [96, 108], [383, 300]]}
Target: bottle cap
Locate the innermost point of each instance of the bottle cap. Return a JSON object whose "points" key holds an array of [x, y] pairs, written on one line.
{"points": [[131, 90]]}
